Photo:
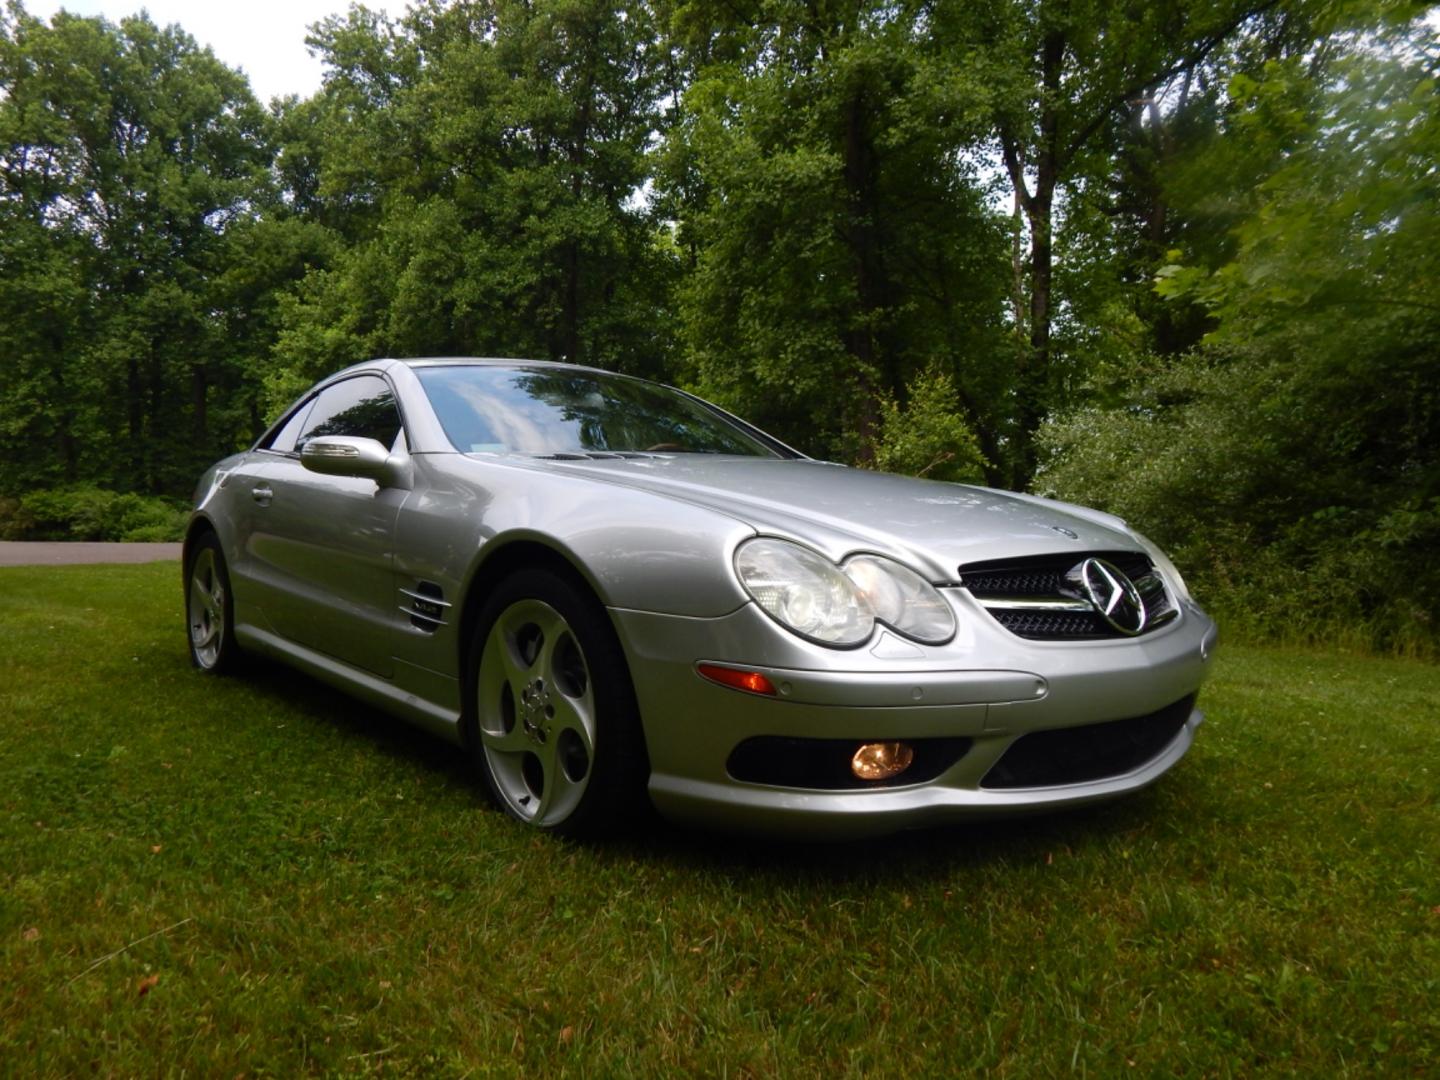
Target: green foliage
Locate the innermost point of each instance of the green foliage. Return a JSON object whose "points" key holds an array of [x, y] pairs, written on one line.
{"points": [[138, 276], [1294, 463], [1286, 526], [479, 161], [84, 512], [834, 243], [928, 436]]}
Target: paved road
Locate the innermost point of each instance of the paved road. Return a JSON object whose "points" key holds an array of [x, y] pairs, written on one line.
{"points": [[14, 553]]}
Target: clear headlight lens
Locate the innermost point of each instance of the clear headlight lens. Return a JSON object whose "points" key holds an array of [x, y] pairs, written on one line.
{"points": [[1166, 567], [902, 598], [804, 591]]}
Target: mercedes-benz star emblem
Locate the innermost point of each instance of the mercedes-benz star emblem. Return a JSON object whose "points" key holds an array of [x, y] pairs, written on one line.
{"points": [[1113, 595]]}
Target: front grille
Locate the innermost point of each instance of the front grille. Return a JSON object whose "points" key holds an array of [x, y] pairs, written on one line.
{"points": [[1039, 597], [1079, 755], [1054, 625]]}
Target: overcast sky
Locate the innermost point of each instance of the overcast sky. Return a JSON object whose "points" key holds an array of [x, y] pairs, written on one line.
{"points": [[263, 38]]}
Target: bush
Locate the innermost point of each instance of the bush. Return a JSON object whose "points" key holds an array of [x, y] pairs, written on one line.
{"points": [[928, 437], [83, 512], [1288, 525]]}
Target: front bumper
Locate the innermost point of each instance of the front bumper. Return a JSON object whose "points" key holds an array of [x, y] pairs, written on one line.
{"points": [[986, 687]]}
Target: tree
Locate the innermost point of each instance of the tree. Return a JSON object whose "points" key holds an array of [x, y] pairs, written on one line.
{"points": [[1069, 83], [834, 249], [482, 160], [1293, 460], [129, 160]]}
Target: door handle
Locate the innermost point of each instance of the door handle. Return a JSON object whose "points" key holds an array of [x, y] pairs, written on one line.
{"points": [[262, 494]]}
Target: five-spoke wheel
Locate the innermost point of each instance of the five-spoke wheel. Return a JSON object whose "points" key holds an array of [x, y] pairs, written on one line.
{"points": [[554, 727], [536, 712], [208, 612]]}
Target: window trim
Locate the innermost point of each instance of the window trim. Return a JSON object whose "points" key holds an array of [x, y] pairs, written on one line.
{"points": [[307, 402], [274, 430]]}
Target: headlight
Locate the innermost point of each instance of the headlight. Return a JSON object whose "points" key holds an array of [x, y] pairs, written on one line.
{"points": [[1164, 565], [902, 599], [804, 591]]}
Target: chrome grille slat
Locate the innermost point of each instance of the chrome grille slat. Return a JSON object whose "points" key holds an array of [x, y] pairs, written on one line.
{"points": [[417, 617], [428, 599], [427, 606], [1030, 603]]}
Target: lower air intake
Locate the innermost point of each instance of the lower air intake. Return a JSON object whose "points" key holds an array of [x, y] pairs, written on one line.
{"points": [[824, 764], [1078, 755]]}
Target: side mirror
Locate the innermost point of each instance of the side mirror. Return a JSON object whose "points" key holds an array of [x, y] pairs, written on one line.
{"points": [[346, 455]]}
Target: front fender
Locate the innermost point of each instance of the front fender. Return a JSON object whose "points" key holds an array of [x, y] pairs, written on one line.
{"points": [[637, 550]]}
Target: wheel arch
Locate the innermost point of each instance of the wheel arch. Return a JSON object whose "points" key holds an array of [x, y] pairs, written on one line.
{"points": [[619, 757], [499, 559], [199, 526]]}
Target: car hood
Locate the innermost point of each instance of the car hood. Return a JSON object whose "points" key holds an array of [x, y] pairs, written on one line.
{"points": [[841, 510]]}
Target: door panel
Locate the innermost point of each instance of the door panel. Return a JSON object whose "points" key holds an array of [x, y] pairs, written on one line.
{"points": [[328, 544], [322, 547], [234, 506]]}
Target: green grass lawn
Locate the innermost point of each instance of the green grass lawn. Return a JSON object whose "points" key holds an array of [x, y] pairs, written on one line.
{"points": [[257, 876]]}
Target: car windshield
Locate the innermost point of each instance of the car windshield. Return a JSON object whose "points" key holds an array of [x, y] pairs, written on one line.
{"points": [[548, 411]]}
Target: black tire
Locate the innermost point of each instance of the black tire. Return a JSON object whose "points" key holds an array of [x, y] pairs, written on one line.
{"points": [[551, 720], [210, 608]]}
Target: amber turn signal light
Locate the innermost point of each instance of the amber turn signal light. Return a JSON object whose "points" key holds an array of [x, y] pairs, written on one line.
{"points": [[750, 681]]}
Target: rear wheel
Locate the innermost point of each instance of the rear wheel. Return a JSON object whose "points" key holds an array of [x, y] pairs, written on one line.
{"points": [[553, 725], [209, 609]]}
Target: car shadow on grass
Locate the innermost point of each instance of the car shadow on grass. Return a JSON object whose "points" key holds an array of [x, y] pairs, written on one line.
{"points": [[933, 851], [356, 720], [927, 852]]}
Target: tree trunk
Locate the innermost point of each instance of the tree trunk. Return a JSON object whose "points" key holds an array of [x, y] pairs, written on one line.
{"points": [[199, 385], [570, 314], [1033, 376], [135, 420], [1017, 264], [860, 238], [69, 448], [579, 144]]}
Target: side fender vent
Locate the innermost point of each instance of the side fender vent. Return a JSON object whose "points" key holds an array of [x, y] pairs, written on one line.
{"points": [[426, 605]]}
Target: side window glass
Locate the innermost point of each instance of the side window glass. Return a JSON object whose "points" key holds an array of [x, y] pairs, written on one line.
{"points": [[362, 406], [283, 441]]}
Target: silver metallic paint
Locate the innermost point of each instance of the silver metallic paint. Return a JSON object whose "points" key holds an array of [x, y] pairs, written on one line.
{"points": [[321, 567]]}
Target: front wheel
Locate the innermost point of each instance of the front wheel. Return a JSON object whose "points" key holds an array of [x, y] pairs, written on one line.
{"points": [[209, 609], [553, 724]]}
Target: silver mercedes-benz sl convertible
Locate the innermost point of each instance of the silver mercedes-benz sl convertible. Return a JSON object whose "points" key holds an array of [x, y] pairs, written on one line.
{"points": [[608, 590]]}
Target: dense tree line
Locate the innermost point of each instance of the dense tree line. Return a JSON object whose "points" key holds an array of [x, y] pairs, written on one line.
{"points": [[1293, 458], [1174, 258]]}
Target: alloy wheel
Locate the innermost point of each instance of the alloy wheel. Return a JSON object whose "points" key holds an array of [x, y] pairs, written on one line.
{"points": [[206, 601], [537, 714]]}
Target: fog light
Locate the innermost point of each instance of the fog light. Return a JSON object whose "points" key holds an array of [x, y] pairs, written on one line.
{"points": [[881, 760]]}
